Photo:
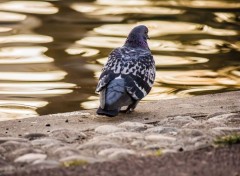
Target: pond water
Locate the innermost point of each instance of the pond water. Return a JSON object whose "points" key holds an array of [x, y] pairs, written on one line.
{"points": [[52, 52]]}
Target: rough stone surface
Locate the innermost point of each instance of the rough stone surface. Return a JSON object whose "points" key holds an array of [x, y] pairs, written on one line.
{"points": [[30, 158], [88, 138], [67, 135], [106, 129]]}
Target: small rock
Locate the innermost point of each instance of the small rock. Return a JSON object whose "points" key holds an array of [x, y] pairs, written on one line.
{"points": [[67, 135], [134, 125], [48, 162], [48, 125], [125, 136], [223, 118], [6, 168], [65, 151], [158, 137], [114, 153], [45, 164], [78, 158], [30, 158], [4, 139], [162, 130], [189, 133], [13, 145], [33, 136], [106, 129], [177, 121], [22, 151], [96, 145], [84, 114], [45, 141], [139, 143], [225, 130]]}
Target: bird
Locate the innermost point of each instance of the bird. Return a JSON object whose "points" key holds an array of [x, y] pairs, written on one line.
{"points": [[128, 74]]}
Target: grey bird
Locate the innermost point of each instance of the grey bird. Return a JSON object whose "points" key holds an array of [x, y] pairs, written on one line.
{"points": [[128, 75]]}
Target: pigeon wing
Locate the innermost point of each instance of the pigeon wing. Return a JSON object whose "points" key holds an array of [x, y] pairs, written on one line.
{"points": [[137, 67], [141, 75], [110, 69]]}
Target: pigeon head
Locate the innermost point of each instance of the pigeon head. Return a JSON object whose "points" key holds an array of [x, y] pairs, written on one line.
{"points": [[138, 37]]}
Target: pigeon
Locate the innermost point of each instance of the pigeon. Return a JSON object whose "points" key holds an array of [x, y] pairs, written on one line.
{"points": [[128, 75]]}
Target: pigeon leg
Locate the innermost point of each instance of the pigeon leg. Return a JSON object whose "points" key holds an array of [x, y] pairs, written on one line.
{"points": [[130, 108]]}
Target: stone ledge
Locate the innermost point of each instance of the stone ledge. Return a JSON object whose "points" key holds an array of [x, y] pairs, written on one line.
{"points": [[81, 137]]}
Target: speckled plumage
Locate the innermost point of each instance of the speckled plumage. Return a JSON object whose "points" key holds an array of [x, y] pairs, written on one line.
{"points": [[131, 68]]}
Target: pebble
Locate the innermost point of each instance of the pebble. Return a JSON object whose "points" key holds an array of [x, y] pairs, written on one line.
{"points": [[189, 133], [134, 126], [45, 141], [84, 114], [225, 130], [125, 136], [5, 139], [65, 151], [223, 118], [45, 164], [13, 145], [67, 135], [6, 168], [116, 153], [160, 138], [78, 158], [139, 143], [21, 151], [178, 121], [33, 136], [106, 129], [162, 130], [30, 158], [96, 145]]}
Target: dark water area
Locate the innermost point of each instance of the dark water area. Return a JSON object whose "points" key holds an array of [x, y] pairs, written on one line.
{"points": [[52, 52]]}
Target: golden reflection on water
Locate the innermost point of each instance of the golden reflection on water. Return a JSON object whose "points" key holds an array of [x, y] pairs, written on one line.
{"points": [[18, 109], [84, 52], [193, 77], [40, 65], [124, 2], [118, 10], [226, 17], [210, 4], [5, 29], [24, 55], [205, 46], [35, 7], [16, 112], [11, 17], [33, 76], [166, 27], [26, 38]]}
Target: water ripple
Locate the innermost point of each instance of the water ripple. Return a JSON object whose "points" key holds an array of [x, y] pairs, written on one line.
{"points": [[26, 38], [34, 7], [160, 28]]}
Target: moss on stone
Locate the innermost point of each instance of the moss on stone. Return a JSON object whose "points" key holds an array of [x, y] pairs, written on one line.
{"points": [[158, 152], [74, 163], [228, 140]]}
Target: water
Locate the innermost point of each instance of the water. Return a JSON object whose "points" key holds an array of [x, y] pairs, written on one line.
{"points": [[51, 52]]}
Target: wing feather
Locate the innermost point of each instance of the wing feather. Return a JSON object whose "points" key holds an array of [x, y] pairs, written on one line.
{"points": [[136, 66]]}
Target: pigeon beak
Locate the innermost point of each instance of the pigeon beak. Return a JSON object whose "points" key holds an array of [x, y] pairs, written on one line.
{"points": [[148, 37]]}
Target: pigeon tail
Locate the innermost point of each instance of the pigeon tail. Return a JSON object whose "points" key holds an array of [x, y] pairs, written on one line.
{"points": [[113, 98]]}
